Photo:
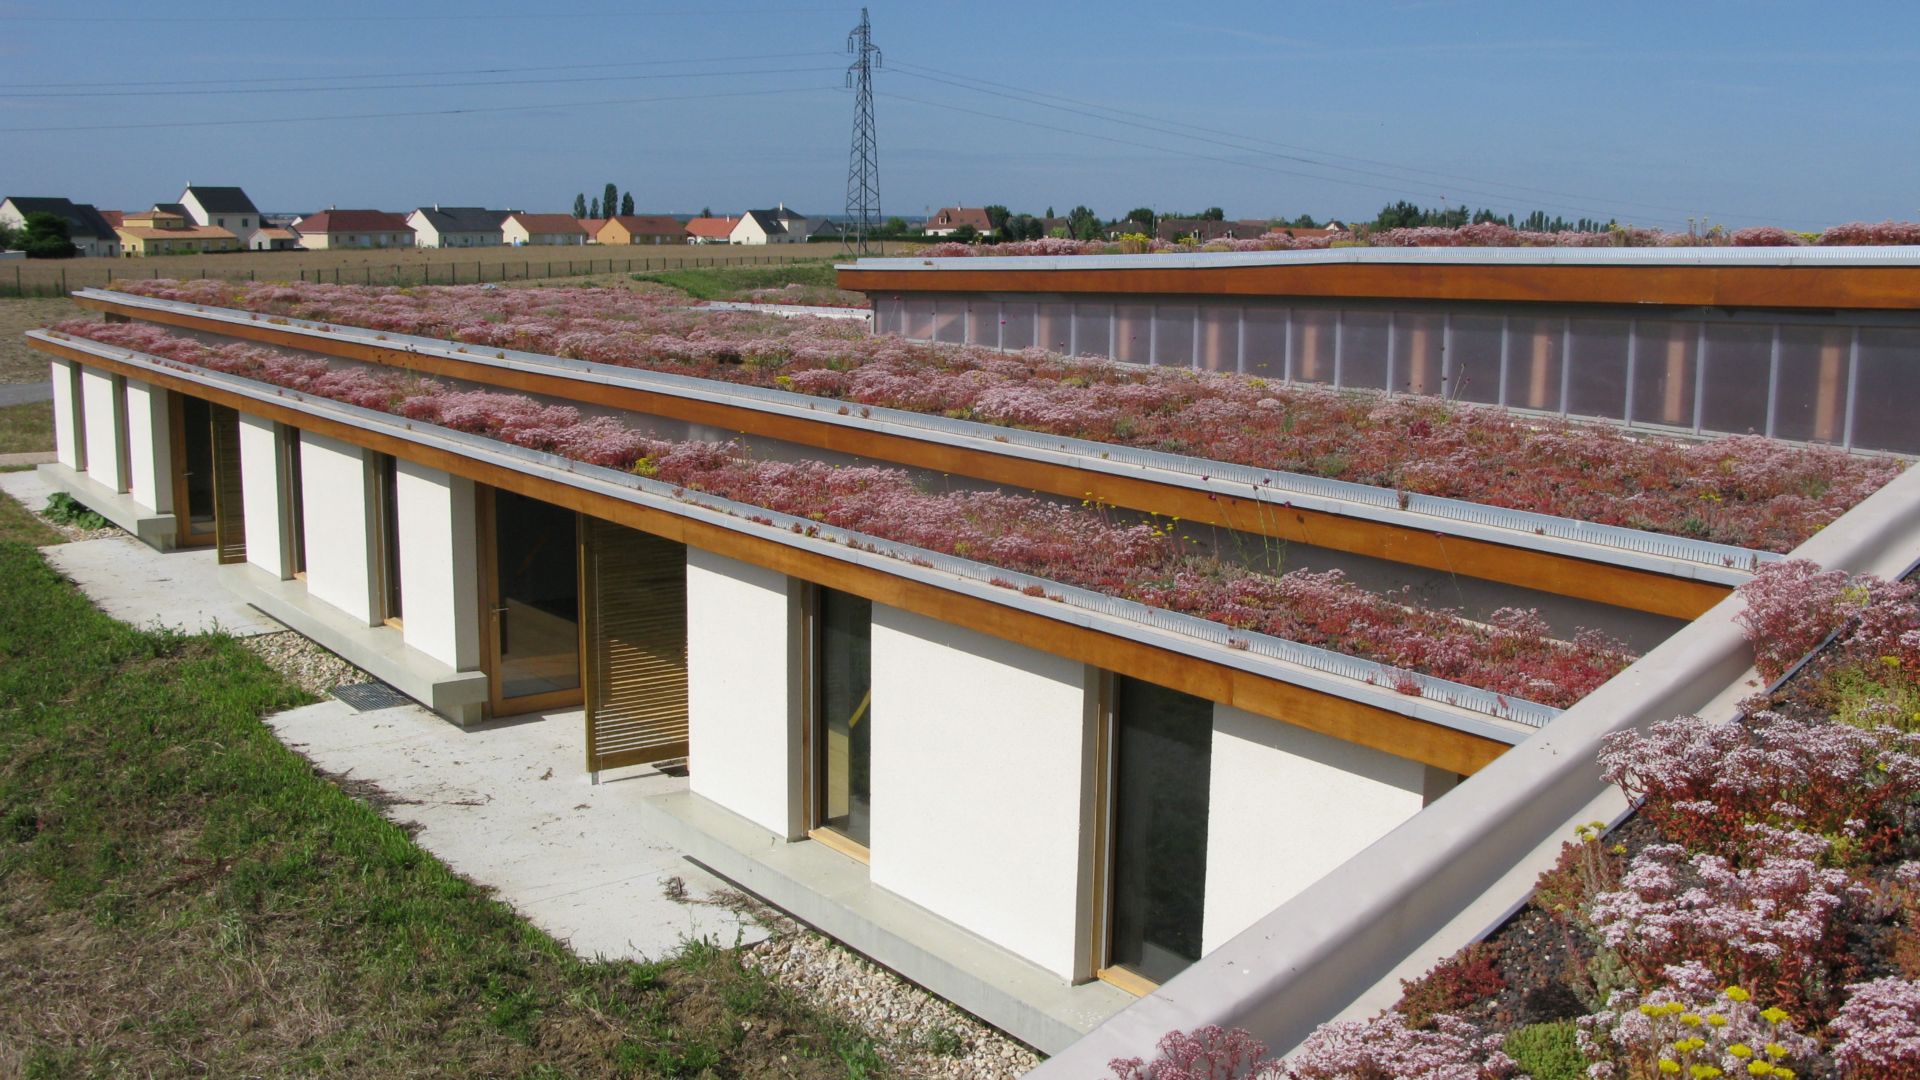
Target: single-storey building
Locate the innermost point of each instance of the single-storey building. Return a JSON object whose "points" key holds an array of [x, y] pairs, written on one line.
{"points": [[642, 229], [439, 226], [334, 228], [542, 230], [275, 238], [710, 230], [89, 231]]}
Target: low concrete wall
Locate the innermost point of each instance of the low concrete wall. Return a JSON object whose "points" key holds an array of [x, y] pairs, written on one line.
{"points": [[1454, 872], [158, 531], [982, 780], [743, 688]]}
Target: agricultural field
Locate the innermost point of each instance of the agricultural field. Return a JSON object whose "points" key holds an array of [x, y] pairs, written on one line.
{"points": [[400, 266]]}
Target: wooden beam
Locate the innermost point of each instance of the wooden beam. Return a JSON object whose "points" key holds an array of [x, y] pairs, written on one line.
{"points": [[1822, 287], [1342, 718], [1550, 572]]}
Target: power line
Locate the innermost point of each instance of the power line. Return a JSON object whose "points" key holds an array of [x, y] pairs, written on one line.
{"points": [[863, 160], [1186, 130], [419, 112], [417, 86], [419, 74], [463, 17], [1401, 190]]}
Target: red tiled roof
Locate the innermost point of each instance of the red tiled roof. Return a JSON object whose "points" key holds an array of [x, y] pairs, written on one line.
{"points": [[651, 224], [114, 218], [352, 221], [952, 217], [713, 228], [544, 224], [591, 225]]}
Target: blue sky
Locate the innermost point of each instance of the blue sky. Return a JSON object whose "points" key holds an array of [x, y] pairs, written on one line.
{"points": [[1736, 112]]}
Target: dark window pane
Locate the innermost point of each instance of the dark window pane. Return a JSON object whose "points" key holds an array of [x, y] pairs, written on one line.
{"points": [[846, 714], [197, 420], [1163, 742]]}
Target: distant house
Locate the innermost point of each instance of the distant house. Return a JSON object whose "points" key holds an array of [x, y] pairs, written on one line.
{"points": [[778, 226], [711, 230], [643, 229], [592, 226], [542, 230], [274, 238], [950, 219], [162, 232], [223, 208], [92, 233], [334, 228], [439, 226]]}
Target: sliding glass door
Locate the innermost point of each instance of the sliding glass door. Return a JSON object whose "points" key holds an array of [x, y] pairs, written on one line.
{"points": [[843, 707]]}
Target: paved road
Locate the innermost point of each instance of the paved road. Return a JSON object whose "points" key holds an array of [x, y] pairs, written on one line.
{"points": [[25, 393]]}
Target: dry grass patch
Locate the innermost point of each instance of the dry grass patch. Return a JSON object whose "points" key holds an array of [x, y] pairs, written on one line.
{"points": [[18, 362]]}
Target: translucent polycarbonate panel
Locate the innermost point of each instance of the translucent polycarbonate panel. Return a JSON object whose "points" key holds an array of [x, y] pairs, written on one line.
{"points": [[1313, 340], [1473, 359], [1053, 327], [1016, 324], [1363, 350], [1888, 384], [1266, 344], [1811, 396], [887, 318], [983, 323], [1663, 359], [918, 319], [1597, 367], [1417, 341], [1219, 338], [1739, 366], [1173, 335], [1533, 363], [1093, 329], [949, 325], [1133, 333]]}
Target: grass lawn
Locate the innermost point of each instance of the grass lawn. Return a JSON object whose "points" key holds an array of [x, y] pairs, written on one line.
{"points": [[816, 279], [25, 428], [18, 362], [18, 526], [180, 894]]}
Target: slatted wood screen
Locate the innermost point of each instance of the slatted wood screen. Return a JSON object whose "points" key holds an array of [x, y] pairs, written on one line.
{"points": [[635, 592], [229, 515]]}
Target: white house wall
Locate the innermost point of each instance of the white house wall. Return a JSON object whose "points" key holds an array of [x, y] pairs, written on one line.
{"points": [[439, 564], [264, 497], [102, 407], [741, 702], [980, 772], [1286, 806], [149, 446], [69, 427], [339, 518]]}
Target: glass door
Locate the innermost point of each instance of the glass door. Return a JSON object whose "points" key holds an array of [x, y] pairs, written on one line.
{"points": [[843, 708], [531, 573], [193, 480]]}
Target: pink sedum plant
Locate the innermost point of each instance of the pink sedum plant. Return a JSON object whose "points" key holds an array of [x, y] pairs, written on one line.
{"points": [[1877, 1033], [1208, 1053], [1510, 653], [1743, 490], [1385, 1048], [1686, 1029]]}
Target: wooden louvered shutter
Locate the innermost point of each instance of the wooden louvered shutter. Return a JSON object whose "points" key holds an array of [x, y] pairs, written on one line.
{"points": [[635, 591], [229, 515]]}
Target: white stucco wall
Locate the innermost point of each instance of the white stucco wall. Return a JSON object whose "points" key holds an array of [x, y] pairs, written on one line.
{"points": [[149, 447], [69, 427], [439, 564], [742, 715], [106, 428], [1286, 806], [264, 497], [980, 766], [339, 517]]}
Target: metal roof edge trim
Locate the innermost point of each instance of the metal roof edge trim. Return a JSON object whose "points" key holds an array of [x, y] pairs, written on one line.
{"points": [[1825, 257]]}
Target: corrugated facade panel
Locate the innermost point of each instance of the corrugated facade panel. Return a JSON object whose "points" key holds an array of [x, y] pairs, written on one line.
{"points": [[229, 508], [635, 587]]}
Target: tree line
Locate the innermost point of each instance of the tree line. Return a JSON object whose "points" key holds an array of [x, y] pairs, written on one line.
{"points": [[602, 205]]}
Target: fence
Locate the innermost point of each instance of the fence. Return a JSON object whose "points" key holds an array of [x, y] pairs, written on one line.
{"points": [[42, 279]]}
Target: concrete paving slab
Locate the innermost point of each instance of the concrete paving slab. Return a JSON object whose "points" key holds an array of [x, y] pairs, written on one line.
{"points": [[509, 804], [40, 457], [134, 583], [29, 487]]}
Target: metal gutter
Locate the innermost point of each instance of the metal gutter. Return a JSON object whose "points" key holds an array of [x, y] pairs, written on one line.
{"points": [[1440, 702], [1833, 257], [1679, 557]]}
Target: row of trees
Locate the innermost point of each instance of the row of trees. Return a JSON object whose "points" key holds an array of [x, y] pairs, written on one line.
{"points": [[603, 206], [1405, 215], [1081, 223], [43, 236]]}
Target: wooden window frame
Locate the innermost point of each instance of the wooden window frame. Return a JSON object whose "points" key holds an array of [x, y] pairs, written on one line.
{"points": [[813, 736]]}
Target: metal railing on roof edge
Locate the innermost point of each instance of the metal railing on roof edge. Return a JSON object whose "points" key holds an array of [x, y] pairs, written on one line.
{"points": [[1673, 555], [1439, 701]]}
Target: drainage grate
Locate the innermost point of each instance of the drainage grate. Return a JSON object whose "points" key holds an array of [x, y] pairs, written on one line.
{"points": [[369, 697]]}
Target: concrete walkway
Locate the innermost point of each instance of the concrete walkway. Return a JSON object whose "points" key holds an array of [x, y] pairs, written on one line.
{"points": [[508, 804], [24, 393]]}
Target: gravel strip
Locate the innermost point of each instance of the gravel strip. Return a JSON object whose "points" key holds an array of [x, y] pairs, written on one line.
{"points": [[309, 666], [919, 1034], [74, 533]]}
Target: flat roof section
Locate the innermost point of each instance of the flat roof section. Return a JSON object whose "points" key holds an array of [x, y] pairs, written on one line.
{"points": [[1868, 278]]}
